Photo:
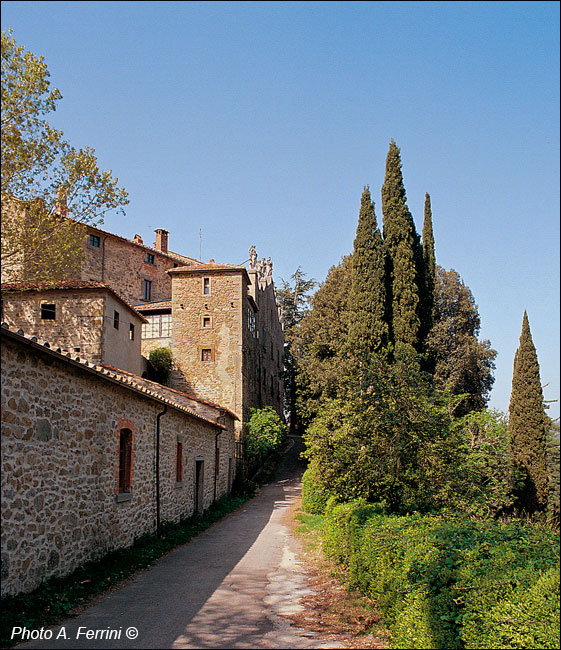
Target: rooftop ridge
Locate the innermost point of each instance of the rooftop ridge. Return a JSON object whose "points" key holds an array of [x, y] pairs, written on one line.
{"points": [[104, 372]]}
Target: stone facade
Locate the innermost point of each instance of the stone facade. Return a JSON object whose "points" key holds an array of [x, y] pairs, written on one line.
{"points": [[126, 265], [61, 421], [84, 318], [227, 341]]}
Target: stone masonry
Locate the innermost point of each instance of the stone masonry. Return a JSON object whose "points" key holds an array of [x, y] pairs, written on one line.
{"points": [[61, 421]]}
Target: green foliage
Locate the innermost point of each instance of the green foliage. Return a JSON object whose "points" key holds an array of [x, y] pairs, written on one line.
{"points": [[429, 272], [294, 301], [320, 343], [160, 364], [389, 442], [459, 361], [265, 431], [54, 599], [44, 178], [368, 329], [528, 424], [401, 242], [553, 467], [447, 582], [314, 494], [481, 474]]}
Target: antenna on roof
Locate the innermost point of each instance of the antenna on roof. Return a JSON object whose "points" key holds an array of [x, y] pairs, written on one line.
{"points": [[200, 244]]}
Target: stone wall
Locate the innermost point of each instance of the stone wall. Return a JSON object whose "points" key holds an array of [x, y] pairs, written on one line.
{"points": [[123, 265], [220, 378], [83, 324], [60, 457]]}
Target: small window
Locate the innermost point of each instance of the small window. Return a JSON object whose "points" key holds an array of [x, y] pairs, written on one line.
{"points": [[131, 332], [206, 286], [217, 462], [94, 241], [125, 460], [206, 354], [116, 320], [48, 311], [149, 258], [206, 321], [147, 289], [179, 462]]}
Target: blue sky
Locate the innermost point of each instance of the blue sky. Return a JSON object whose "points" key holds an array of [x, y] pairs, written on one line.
{"points": [[260, 123]]}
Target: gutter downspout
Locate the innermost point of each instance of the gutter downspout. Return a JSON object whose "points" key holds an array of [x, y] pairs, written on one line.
{"points": [[215, 465], [158, 527]]}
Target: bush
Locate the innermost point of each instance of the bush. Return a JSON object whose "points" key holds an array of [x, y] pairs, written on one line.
{"points": [[265, 431], [450, 583], [160, 364], [314, 495]]}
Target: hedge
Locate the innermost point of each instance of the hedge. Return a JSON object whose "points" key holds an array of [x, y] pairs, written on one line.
{"points": [[450, 583]]}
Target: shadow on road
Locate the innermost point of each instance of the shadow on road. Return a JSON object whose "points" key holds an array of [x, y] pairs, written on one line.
{"points": [[162, 601]]}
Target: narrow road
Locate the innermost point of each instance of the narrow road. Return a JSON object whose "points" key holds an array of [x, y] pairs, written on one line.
{"points": [[228, 588]]}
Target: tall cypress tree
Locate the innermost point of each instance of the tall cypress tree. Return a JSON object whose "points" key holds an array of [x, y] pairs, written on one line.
{"points": [[429, 271], [402, 257], [528, 424], [368, 332]]}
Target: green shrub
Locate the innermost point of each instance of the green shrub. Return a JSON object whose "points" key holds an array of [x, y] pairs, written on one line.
{"points": [[160, 364], [265, 431], [445, 582], [314, 495]]}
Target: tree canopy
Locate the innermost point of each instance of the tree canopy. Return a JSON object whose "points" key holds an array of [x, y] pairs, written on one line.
{"points": [[49, 188]]}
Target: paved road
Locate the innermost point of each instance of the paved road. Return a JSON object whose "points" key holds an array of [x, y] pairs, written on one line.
{"points": [[225, 589]]}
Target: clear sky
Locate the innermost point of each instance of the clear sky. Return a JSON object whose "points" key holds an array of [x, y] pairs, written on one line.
{"points": [[260, 123]]}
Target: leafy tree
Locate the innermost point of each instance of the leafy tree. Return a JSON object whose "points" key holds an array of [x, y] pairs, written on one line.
{"points": [[265, 431], [460, 361], [482, 476], [320, 343], [44, 179], [294, 300], [403, 257], [553, 467], [389, 442], [429, 271], [528, 424], [368, 330], [160, 364]]}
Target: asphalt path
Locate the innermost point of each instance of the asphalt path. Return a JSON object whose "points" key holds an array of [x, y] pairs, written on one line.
{"points": [[227, 588]]}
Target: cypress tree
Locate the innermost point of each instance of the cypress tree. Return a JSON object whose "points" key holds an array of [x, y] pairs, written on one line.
{"points": [[368, 332], [429, 271], [402, 257], [528, 425]]}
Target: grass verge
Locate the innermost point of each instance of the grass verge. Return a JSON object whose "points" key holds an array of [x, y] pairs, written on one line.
{"points": [[57, 597], [333, 611]]}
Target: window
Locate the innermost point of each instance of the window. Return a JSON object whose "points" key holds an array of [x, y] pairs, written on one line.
{"points": [[149, 258], [206, 354], [125, 460], [147, 290], [251, 321], [48, 311], [94, 241], [206, 321], [116, 320], [217, 462], [206, 286], [157, 327], [179, 462], [131, 332]]}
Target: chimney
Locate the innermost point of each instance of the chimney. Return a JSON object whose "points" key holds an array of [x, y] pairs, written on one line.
{"points": [[161, 240]]}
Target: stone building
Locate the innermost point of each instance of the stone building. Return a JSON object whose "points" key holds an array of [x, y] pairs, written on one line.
{"points": [[83, 318], [80, 447], [131, 268]]}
